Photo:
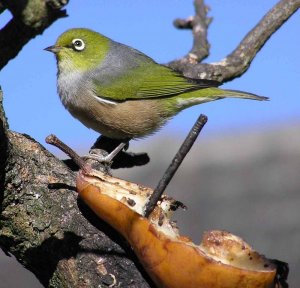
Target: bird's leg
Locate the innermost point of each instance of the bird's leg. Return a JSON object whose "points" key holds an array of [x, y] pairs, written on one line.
{"points": [[107, 158], [105, 149], [107, 146]]}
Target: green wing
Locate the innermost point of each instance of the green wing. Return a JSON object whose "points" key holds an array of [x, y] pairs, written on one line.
{"points": [[149, 80]]}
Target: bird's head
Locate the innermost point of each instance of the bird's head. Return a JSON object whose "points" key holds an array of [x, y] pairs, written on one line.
{"points": [[80, 49]]}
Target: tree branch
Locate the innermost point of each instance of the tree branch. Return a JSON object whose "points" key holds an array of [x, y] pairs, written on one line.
{"points": [[3, 119], [237, 63], [30, 18], [199, 24], [50, 231]]}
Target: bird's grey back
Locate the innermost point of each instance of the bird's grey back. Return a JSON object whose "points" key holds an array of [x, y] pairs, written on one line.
{"points": [[119, 59]]}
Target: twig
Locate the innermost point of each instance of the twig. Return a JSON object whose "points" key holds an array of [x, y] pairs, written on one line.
{"points": [[177, 160], [237, 62], [199, 23], [53, 140]]}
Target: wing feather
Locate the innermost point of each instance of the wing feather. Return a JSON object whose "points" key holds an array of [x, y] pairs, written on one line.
{"points": [[135, 76]]}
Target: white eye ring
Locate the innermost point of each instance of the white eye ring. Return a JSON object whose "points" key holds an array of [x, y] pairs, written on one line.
{"points": [[78, 44]]}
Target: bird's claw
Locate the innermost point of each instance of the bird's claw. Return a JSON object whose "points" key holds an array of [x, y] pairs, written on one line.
{"points": [[106, 159]]}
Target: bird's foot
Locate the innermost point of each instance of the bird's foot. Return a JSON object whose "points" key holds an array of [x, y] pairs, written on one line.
{"points": [[106, 159], [114, 155]]}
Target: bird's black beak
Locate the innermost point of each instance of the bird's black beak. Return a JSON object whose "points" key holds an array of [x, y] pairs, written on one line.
{"points": [[53, 49]]}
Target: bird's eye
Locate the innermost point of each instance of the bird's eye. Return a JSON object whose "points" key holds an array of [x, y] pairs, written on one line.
{"points": [[78, 44]]}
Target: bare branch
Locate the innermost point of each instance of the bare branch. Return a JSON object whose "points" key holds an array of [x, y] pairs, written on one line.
{"points": [[236, 63], [30, 18], [199, 23], [53, 140]]}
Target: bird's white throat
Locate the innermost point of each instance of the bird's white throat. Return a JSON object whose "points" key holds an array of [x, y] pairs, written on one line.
{"points": [[71, 84], [68, 84]]}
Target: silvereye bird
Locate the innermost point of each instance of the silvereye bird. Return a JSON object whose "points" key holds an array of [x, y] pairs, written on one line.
{"points": [[119, 91]]}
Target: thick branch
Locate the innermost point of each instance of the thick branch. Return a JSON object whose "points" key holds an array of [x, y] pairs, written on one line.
{"points": [[236, 63], [3, 119], [30, 18], [3, 146], [51, 232]]}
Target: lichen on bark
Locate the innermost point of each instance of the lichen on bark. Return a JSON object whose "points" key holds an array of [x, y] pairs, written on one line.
{"points": [[50, 231]]}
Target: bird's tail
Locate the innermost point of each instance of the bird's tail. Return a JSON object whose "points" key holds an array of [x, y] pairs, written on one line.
{"points": [[240, 94], [211, 94]]}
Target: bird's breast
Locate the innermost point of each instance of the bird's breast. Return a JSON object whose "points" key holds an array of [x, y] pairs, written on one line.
{"points": [[128, 119]]}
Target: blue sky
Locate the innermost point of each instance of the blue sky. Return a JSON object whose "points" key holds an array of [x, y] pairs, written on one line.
{"points": [[29, 81]]}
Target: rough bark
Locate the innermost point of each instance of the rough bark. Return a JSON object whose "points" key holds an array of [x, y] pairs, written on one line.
{"points": [[50, 231], [42, 223]]}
